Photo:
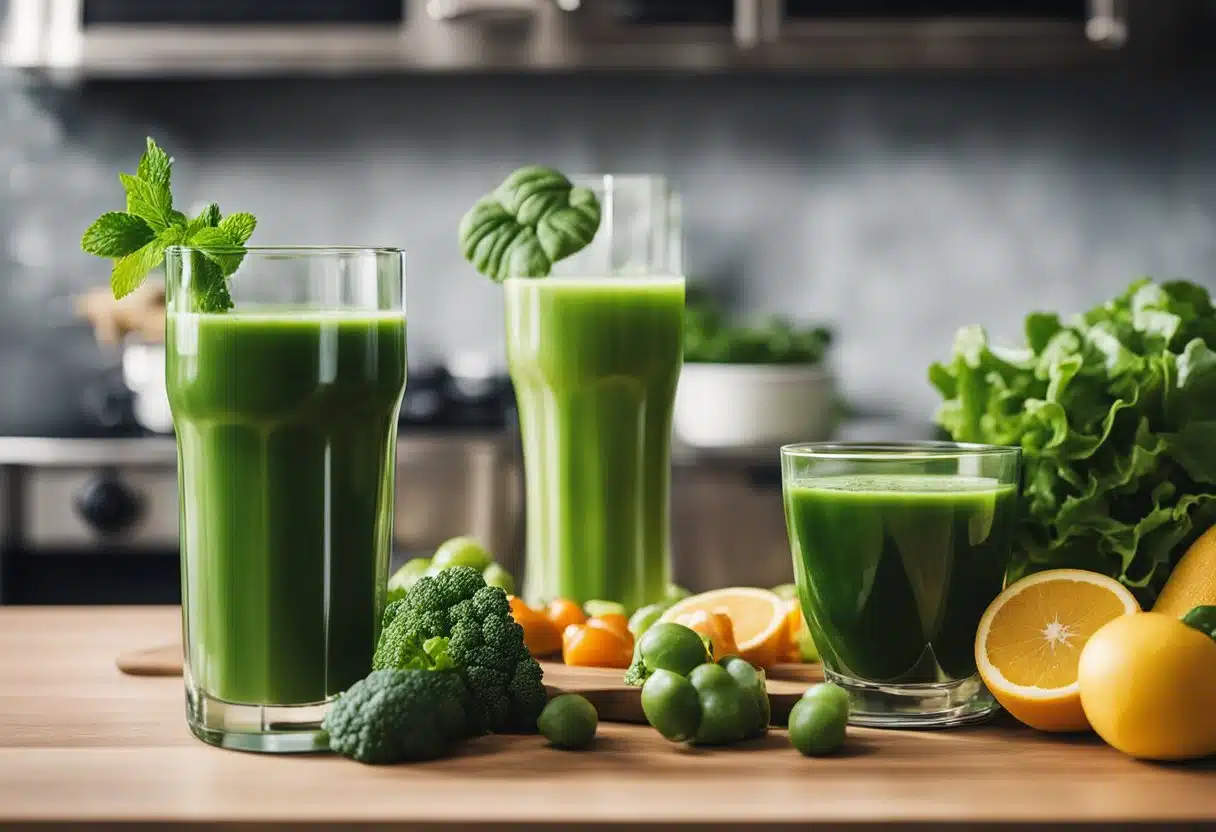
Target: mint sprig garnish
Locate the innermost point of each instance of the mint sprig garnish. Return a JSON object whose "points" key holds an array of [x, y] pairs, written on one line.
{"points": [[136, 239]]}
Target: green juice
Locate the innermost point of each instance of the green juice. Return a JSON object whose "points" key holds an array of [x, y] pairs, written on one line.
{"points": [[286, 433], [595, 363], [894, 570]]}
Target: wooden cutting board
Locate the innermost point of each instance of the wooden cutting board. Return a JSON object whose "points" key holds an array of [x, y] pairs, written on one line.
{"points": [[613, 699]]}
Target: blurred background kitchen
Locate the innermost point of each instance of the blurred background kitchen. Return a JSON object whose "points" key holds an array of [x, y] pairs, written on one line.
{"points": [[890, 170]]}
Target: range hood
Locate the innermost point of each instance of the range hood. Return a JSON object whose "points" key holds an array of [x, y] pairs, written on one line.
{"points": [[193, 38]]}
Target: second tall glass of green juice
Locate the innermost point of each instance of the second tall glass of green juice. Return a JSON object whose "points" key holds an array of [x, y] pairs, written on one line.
{"points": [[595, 363], [285, 409], [595, 352]]}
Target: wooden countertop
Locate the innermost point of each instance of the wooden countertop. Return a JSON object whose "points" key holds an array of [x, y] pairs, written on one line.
{"points": [[81, 742]]}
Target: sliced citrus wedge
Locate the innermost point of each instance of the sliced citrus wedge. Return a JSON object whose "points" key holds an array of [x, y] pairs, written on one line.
{"points": [[1029, 643], [757, 616]]}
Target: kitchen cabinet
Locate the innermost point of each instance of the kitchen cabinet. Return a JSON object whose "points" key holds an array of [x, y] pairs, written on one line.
{"points": [[72, 39]]}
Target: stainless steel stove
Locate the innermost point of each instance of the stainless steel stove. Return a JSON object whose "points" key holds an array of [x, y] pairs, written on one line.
{"points": [[92, 516], [96, 520]]}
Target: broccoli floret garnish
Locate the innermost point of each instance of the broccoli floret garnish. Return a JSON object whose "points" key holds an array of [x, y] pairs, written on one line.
{"points": [[397, 716], [483, 643]]}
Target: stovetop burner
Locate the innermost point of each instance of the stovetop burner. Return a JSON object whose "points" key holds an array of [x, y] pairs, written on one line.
{"points": [[436, 398]]}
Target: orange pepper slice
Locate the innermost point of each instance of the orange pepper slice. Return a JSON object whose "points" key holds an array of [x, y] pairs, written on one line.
{"points": [[540, 636], [595, 644], [563, 612], [616, 622]]}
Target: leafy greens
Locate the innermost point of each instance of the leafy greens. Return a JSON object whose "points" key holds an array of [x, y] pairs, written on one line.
{"points": [[535, 218], [1115, 411], [711, 339]]}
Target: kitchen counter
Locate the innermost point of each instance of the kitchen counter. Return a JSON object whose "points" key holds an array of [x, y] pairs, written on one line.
{"points": [[80, 742]]}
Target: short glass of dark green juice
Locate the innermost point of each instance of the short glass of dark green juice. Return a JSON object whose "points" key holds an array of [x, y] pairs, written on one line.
{"points": [[285, 410], [898, 549]]}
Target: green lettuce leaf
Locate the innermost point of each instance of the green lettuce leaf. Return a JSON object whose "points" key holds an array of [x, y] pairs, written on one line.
{"points": [[1115, 411]]}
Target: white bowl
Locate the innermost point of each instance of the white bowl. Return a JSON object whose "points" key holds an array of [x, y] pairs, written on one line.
{"points": [[753, 405]]}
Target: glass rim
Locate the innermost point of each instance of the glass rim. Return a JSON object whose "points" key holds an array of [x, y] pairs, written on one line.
{"points": [[657, 178], [289, 249], [903, 451], [589, 277]]}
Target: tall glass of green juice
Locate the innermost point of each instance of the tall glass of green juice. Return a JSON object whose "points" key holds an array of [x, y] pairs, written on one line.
{"points": [[285, 410], [595, 352], [595, 362], [898, 549]]}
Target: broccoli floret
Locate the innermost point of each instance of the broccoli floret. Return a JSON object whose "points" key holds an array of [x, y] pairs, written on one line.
{"points": [[527, 694], [399, 715], [483, 642]]}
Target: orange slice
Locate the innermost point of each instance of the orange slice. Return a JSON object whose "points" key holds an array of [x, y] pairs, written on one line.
{"points": [[793, 625], [757, 616], [1030, 638]]}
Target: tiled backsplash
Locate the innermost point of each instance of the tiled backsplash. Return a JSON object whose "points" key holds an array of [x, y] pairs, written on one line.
{"points": [[894, 209]]}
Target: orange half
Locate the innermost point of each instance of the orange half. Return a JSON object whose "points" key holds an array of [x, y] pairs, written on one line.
{"points": [[1030, 638], [757, 616]]}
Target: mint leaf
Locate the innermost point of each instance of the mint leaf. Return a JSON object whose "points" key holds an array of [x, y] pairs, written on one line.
{"points": [[150, 202], [129, 272], [219, 247], [155, 166], [239, 227], [115, 234], [174, 235], [207, 285], [209, 217], [217, 255]]}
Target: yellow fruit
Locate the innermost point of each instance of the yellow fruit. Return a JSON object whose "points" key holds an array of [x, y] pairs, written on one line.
{"points": [[1148, 686], [1030, 638], [1193, 581], [758, 617]]}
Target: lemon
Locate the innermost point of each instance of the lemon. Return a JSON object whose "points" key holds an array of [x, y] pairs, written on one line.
{"points": [[1193, 581], [1030, 638], [1148, 685], [757, 617]]}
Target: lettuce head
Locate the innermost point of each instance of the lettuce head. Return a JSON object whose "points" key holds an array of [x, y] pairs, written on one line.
{"points": [[1115, 411]]}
